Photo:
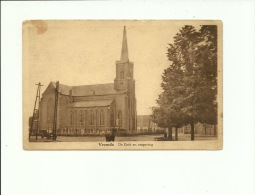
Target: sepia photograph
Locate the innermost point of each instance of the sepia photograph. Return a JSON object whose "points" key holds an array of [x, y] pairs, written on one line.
{"points": [[122, 97], [122, 85]]}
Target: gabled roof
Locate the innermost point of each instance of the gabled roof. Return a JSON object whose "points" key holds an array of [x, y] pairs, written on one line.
{"points": [[91, 103], [85, 90], [64, 89]]}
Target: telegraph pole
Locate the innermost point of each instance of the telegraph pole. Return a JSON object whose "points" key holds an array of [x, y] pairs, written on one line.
{"points": [[55, 112], [36, 111]]}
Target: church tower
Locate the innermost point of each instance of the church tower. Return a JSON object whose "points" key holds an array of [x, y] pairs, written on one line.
{"points": [[125, 83], [124, 68]]}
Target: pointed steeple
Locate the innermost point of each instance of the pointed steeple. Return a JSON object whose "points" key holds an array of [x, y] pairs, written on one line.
{"points": [[124, 51]]}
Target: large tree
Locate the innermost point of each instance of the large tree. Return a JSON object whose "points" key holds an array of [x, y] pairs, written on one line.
{"points": [[190, 82]]}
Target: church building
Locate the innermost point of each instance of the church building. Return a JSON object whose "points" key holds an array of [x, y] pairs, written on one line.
{"points": [[91, 109]]}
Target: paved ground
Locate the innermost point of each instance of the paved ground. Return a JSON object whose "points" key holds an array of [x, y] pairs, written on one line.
{"points": [[186, 137], [181, 137]]}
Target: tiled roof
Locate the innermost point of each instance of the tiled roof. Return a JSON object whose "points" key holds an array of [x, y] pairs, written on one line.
{"points": [[91, 103], [100, 89], [84, 90]]}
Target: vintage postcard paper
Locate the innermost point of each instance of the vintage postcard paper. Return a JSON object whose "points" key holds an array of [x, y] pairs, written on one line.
{"points": [[122, 85]]}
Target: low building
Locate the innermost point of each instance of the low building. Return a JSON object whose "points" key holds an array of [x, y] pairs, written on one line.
{"points": [[205, 129]]}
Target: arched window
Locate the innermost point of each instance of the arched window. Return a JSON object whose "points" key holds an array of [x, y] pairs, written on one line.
{"points": [[101, 118], [122, 74], [81, 117], [91, 118], [120, 118], [71, 118], [84, 117]]}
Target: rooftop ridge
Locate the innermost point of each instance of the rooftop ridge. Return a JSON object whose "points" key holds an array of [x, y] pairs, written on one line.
{"points": [[54, 83]]}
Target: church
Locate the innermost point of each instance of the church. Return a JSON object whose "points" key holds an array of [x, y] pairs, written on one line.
{"points": [[91, 109]]}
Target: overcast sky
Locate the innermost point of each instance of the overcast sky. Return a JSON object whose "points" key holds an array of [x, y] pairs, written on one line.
{"points": [[85, 52]]}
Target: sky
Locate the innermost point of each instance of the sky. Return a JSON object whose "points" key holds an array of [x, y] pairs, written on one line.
{"points": [[85, 52]]}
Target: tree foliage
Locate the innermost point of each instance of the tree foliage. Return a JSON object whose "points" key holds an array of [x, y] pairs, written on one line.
{"points": [[190, 82]]}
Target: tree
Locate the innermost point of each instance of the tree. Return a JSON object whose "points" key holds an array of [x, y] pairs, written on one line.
{"points": [[190, 82], [168, 114], [160, 117]]}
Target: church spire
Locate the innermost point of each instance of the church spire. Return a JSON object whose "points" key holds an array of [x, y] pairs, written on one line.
{"points": [[124, 51]]}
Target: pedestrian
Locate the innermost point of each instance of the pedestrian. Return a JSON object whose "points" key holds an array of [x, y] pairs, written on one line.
{"points": [[113, 134], [107, 135]]}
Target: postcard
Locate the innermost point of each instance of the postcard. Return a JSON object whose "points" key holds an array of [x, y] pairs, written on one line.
{"points": [[122, 85]]}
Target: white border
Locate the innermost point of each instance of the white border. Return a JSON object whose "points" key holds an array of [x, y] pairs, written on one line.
{"points": [[230, 171]]}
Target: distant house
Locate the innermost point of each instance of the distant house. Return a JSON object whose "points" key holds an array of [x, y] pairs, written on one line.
{"points": [[199, 128], [145, 124]]}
